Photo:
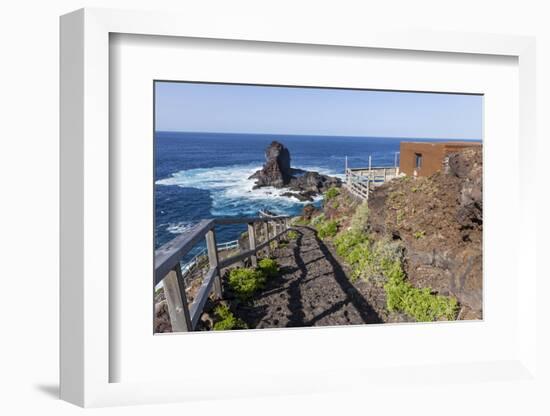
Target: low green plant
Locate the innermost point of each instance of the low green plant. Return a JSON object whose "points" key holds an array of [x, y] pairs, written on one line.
{"points": [[327, 229], [359, 220], [318, 219], [246, 281], [226, 319], [420, 304], [400, 215], [292, 235], [268, 267], [383, 259], [331, 193], [365, 256], [419, 234], [300, 221], [347, 240]]}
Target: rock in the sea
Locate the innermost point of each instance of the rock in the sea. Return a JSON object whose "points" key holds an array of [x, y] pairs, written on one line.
{"points": [[277, 172], [314, 182]]}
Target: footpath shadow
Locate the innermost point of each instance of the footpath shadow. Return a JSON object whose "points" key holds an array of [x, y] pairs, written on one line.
{"points": [[284, 292], [353, 296], [295, 305]]}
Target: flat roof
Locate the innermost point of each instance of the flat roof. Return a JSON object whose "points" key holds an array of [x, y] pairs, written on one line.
{"points": [[454, 143]]}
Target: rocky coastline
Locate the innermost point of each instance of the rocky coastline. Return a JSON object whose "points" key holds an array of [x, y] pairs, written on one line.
{"points": [[277, 172]]}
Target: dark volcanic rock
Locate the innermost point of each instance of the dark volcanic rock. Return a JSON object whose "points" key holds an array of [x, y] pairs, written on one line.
{"points": [[308, 211], [467, 165], [277, 172], [438, 220], [314, 182], [304, 196]]}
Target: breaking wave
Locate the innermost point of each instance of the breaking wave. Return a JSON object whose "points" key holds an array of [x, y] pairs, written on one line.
{"points": [[232, 192]]}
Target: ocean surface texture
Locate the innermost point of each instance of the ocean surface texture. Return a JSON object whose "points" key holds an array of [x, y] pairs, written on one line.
{"points": [[205, 175]]}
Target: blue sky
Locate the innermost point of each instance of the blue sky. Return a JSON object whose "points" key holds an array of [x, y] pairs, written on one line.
{"points": [[315, 111]]}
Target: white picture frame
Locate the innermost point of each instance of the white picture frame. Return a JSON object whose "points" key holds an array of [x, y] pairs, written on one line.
{"points": [[86, 356]]}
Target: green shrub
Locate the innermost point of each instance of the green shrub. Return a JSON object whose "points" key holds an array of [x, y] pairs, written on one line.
{"points": [[327, 229], [292, 235], [245, 282], [300, 221], [315, 221], [331, 193], [268, 267], [419, 234], [420, 304], [360, 218], [226, 320], [347, 240], [383, 259], [400, 215]]}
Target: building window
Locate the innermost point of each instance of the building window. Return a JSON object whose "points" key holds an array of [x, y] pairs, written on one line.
{"points": [[418, 160]]}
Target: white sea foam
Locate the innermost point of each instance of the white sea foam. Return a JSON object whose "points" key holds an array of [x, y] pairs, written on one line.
{"points": [[231, 190], [178, 227]]}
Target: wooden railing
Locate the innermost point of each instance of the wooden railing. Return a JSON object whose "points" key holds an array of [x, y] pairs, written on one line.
{"points": [[185, 317], [360, 180]]}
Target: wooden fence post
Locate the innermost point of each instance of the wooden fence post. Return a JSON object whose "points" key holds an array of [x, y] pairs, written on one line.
{"points": [[213, 260], [252, 240], [174, 292], [266, 231]]}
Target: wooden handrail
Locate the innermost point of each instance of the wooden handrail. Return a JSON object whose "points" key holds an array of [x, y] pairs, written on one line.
{"points": [[168, 257], [170, 254]]}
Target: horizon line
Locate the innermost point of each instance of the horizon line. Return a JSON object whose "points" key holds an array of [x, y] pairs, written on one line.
{"points": [[321, 135]]}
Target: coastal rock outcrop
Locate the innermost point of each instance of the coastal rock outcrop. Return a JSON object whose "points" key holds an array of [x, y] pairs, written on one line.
{"points": [[438, 220], [277, 172]]}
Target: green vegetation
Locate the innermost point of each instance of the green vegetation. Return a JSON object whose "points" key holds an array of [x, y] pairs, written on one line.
{"points": [[383, 260], [317, 220], [420, 304], [300, 221], [245, 281], [419, 234], [327, 229], [400, 215], [331, 193], [366, 257], [360, 218], [226, 319], [268, 267], [292, 235]]}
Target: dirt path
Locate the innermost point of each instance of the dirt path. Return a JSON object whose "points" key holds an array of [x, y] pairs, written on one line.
{"points": [[312, 290]]}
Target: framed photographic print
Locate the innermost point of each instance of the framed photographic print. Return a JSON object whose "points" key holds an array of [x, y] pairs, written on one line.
{"points": [[269, 204], [315, 209]]}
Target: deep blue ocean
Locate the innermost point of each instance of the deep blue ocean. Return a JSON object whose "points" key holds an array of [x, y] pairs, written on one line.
{"points": [[205, 175]]}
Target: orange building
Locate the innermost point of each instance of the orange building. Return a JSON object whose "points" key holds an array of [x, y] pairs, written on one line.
{"points": [[426, 158]]}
